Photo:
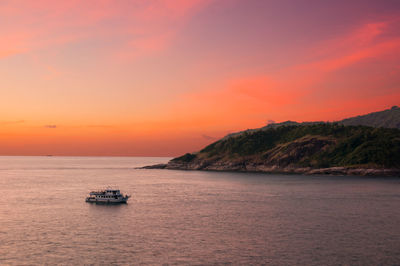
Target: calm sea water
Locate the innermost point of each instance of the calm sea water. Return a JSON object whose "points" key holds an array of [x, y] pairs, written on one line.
{"points": [[192, 217]]}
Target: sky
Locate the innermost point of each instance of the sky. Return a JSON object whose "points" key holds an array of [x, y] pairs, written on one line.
{"points": [[166, 77]]}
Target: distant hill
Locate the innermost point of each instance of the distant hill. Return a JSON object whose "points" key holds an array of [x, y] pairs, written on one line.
{"points": [[343, 147], [272, 125], [389, 118], [299, 149]]}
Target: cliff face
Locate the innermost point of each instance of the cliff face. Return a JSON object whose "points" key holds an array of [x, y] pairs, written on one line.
{"points": [[311, 149]]}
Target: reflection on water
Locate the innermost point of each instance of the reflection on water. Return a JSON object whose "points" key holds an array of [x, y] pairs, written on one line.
{"points": [[191, 217]]}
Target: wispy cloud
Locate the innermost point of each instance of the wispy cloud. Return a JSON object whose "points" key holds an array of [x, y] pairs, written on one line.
{"points": [[141, 27], [50, 126], [13, 122], [100, 126], [155, 26], [290, 89]]}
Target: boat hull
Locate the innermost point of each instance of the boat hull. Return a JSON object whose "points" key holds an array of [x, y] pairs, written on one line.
{"points": [[107, 201]]}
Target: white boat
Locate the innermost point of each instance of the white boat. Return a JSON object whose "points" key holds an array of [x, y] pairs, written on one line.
{"points": [[107, 196]]}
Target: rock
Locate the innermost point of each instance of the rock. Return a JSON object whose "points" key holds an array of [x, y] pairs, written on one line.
{"points": [[156, 166], [242, 166]]}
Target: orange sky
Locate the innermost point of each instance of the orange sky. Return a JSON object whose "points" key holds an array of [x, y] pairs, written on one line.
{"points": [[161, 78]]}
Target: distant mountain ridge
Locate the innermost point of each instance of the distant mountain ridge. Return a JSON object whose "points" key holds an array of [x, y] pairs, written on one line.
{"points": [[389, 118], [351, 146]]}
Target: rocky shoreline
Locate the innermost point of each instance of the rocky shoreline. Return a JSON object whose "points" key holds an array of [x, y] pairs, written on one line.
{"points": [[310, 148], [232, 167]]}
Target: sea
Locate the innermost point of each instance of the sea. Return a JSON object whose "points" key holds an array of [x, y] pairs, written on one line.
{"points": [[191, 217]]}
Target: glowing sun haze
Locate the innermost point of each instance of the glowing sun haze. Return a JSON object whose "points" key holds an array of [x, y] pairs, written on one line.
{"points": [[161, 78]]}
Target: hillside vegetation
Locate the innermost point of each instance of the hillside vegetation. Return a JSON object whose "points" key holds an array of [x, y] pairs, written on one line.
{"points": [[389, 118], [303, 146], [362, 145]]}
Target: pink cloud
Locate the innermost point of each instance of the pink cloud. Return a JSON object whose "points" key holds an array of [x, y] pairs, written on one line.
{"points": [[357, 38], [372, 39], [141, 27], [6, 53], [155, 26], [303, 86], [170, 9], [352, 57]]}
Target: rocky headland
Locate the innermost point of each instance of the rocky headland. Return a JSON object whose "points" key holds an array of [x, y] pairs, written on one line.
{"points": [[314, 148]]}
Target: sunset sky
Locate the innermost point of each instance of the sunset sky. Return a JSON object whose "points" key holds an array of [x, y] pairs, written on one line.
{"points": [[161, 78]]}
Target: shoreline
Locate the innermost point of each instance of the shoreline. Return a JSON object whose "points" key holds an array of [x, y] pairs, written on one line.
{"points": [[333, 171]]}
